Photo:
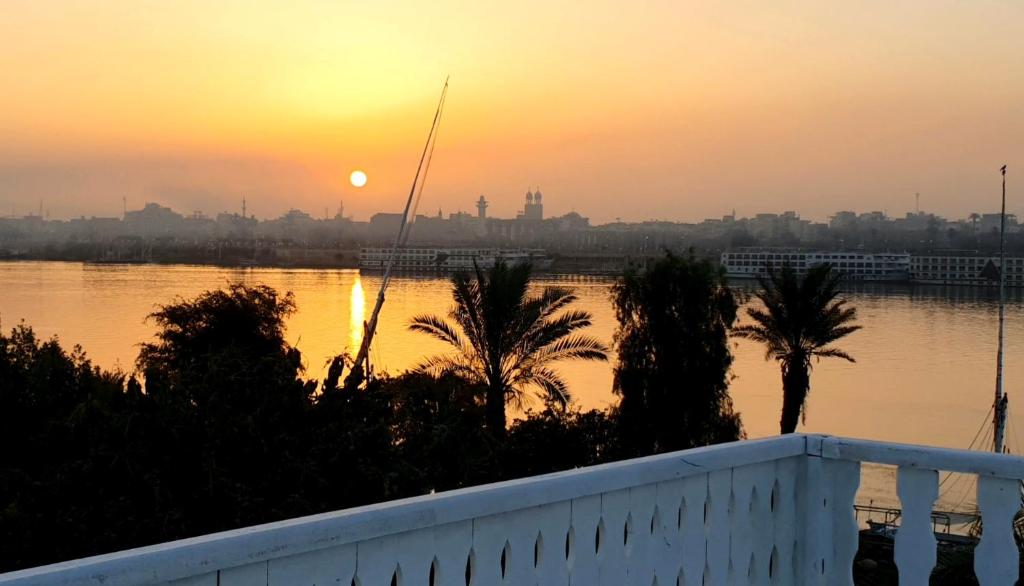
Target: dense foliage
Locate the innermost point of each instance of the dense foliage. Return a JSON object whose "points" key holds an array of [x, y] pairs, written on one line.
{"points": [[800, 317], [224, 432], [219, 428], [673, 356]]}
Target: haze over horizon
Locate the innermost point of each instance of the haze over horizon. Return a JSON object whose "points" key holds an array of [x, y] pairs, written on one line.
{"points": [[672, 110]]}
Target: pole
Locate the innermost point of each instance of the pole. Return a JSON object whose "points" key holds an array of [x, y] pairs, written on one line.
{"points": [[360, 366], [1000, 404]]}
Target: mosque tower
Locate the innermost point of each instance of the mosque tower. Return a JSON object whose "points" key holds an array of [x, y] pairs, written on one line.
{"points": [[481, 208], [534, 209]]}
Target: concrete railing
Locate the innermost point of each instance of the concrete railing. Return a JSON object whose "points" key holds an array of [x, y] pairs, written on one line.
{"points": [[772, 511]]}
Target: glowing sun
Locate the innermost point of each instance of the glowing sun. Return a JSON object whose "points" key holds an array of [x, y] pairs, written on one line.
{"points": [[357, 178]]}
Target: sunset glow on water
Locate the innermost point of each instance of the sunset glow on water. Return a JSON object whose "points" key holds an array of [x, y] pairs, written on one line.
{"points": [[924, 371]]}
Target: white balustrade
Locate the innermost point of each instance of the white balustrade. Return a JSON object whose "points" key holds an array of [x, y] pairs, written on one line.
{"points": [[773, 511], [915, 542]]}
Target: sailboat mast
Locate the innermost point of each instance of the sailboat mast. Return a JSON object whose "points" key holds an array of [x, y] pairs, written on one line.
{"points": [[999, 409], [360, 367]]}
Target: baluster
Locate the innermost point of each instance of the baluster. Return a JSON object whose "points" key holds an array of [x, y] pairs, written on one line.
{"points": [[761, 522], [783, 507], [667, 546], [639, 539], [375, 566], [503, 546], [996, 559], [742, 530], [611, 559], [817, 525], [452, 543], [415, 552], [718, 525], [586, 514], [915, 539], [844, 478], [692, 528], [552, 524]]}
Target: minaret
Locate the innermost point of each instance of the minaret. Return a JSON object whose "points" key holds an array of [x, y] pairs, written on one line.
{"points": [[481, 208], [243, 207]]}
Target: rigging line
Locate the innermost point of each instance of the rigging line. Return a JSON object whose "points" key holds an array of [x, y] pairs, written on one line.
{"points": [[981, 428], [1013, 429], [951, 489], [972, 480], [963, 497], [403, 230], [965, 492], [426, 169], [957, 479], [371, 327]]}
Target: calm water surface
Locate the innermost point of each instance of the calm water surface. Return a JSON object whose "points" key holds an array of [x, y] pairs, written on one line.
{"points": [[924, 372]]}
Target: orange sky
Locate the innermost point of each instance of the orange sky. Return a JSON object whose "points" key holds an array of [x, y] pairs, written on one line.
{"points": [[671, 110]]}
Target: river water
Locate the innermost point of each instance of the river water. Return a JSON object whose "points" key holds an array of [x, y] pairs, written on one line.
{"points": [[924, 373]]}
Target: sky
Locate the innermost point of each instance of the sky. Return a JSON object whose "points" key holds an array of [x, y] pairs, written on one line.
{"points": [[672, 110]]}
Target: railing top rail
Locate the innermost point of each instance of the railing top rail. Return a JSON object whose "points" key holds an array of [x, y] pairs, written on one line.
{"points": [[187, 557], [914, 456]]}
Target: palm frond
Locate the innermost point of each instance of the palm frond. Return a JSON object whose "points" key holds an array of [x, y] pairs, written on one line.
{"points": [[443, 364], [833, 353], [550, 383], [573, 348], [438, 328]]}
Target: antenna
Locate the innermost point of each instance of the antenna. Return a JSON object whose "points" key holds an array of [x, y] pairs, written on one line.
{"points": [[360, 366], [243, 207], [917, 203], [124, 208]]}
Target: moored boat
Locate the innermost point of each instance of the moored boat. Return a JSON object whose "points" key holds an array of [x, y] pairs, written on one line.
{"points": [[432, 259]]}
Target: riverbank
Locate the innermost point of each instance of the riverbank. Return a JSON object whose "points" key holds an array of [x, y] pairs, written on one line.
{"points": [[291, 257]]}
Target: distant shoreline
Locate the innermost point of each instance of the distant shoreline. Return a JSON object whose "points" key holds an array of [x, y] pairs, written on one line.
{"points": [[558, 269]]}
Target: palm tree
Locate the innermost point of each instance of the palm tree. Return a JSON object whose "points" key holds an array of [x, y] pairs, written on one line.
{"points": [[800, 319], [506, 339]]}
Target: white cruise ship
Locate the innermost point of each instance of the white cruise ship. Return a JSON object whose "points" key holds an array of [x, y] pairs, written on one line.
{"points": [[856, 266], [965, 270], [450, 259]]}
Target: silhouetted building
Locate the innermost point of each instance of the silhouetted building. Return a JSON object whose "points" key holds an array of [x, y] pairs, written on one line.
{"points": [[153, 220], [534, 208]]}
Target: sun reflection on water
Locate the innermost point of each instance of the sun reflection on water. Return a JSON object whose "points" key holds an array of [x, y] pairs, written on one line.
{"points": [[357, 303]]}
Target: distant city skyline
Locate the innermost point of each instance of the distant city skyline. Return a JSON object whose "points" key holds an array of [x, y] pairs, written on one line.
{"points": [[496, 208], [531, 209], [671, 110]]}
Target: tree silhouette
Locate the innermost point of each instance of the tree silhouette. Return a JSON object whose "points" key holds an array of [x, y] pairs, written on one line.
{"points": [[801, 317], [507, 339], [673, 355], [221, 364]]}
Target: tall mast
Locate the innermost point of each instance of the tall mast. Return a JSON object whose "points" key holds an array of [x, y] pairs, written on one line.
{"points": [[360, 366], [999, 408]]}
